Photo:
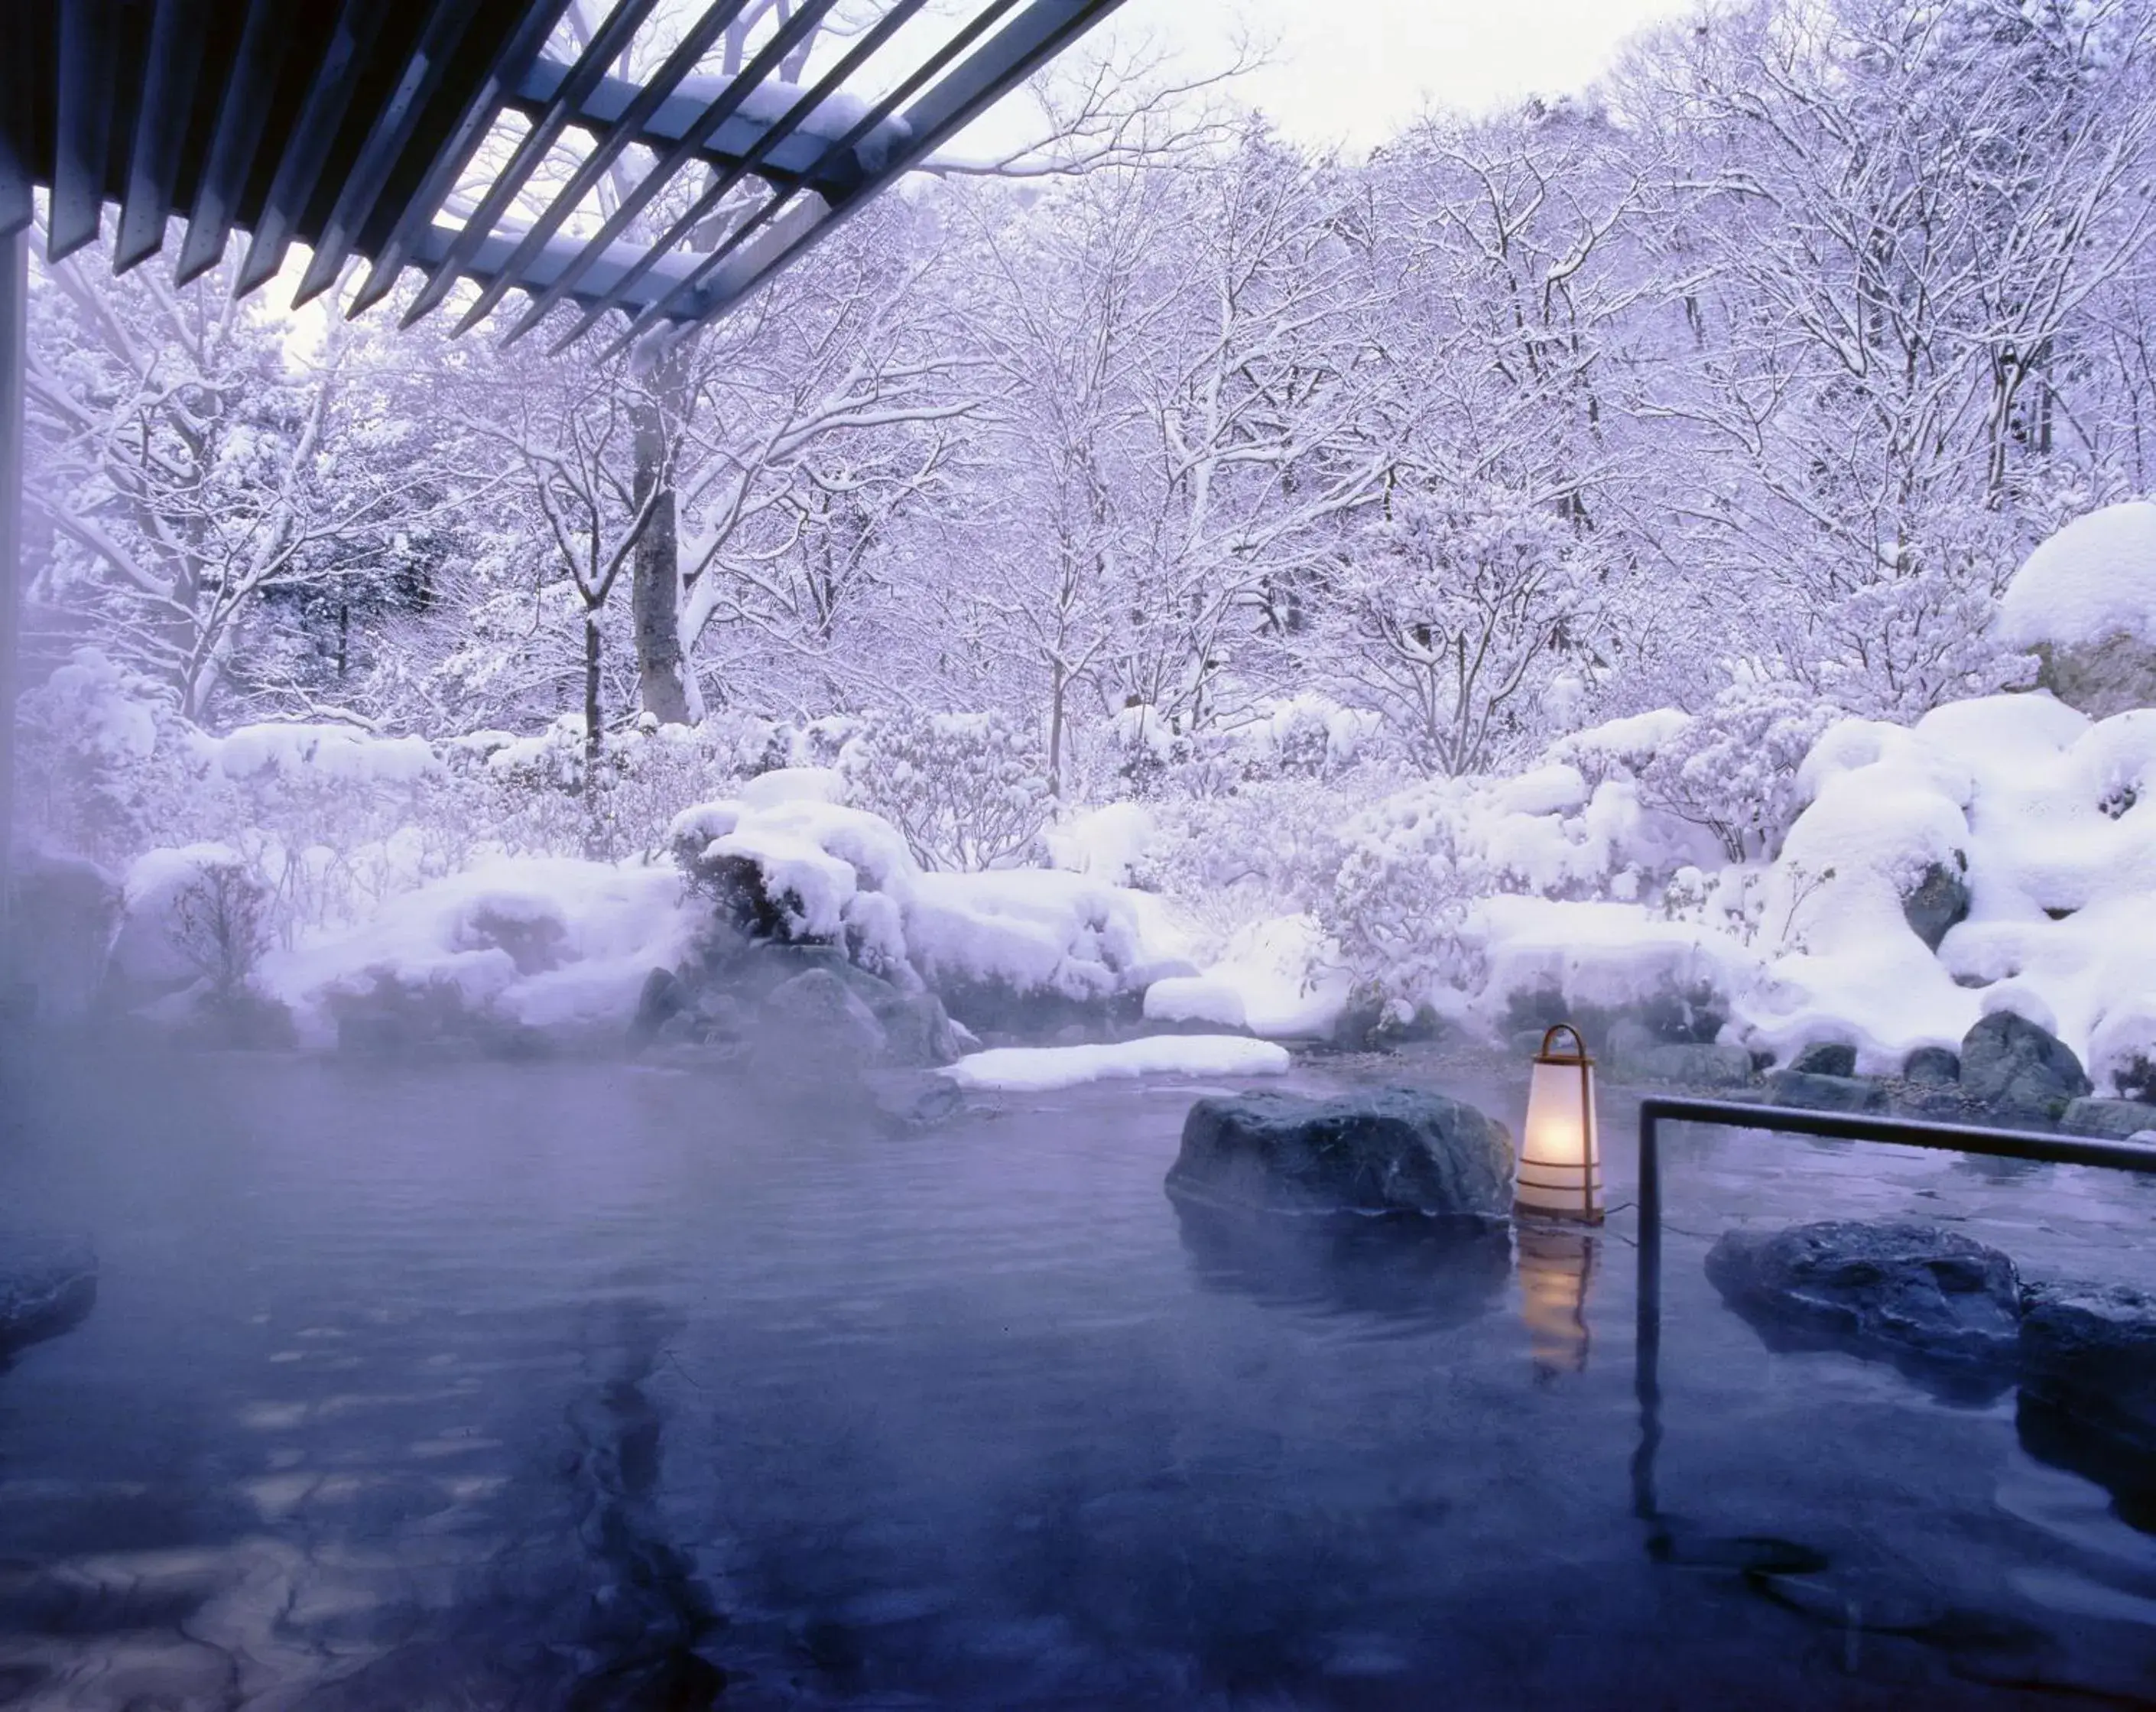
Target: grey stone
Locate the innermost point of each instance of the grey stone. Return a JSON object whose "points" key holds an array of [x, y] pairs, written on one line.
{"points": [[66, 911], [2089, 1352], [1708, 1065], [2110, 676], [910, 1099], [817, 1017], [772, 964], [47, 1284], [2135, 1078], [917, 1031], [1636, 1053], [1890, 1289], [2115, 1118], [2008, 1062], [1941, 1103], [1938, 900], [1824, 1094], [1825, 1058], [1936, 1065], [1390, 1150], [1359, 1028], [663, 999]]}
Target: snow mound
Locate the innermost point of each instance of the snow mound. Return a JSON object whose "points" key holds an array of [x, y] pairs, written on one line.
{"points": [[2096, 579], [2050, 822], [842, 876], [1108, 843], [1279, 978], [1208, 999], [544, 943], [341, 753], [1041, 1069], [1602, 954]]}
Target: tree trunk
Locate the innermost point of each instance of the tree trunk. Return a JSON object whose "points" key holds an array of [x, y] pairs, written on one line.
{"points": [[591, 698], [665, 686], [1055, 696]]}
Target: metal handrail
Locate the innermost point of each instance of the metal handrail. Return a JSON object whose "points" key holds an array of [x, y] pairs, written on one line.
{"points": [[1838, 1126]]}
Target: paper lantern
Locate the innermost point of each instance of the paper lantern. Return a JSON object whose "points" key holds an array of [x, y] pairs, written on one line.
{"points": [[1560, 1166]]}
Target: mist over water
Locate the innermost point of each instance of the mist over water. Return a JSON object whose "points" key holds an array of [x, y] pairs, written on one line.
{"points": [[582, 1385]]}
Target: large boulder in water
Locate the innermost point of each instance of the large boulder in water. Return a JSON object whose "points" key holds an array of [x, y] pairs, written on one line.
{"points": [[1915, 1293], [1813, 1092], [818, 1015], [2088, 1352], [2008, 1062], [47, 1284], [1395, 1150]]}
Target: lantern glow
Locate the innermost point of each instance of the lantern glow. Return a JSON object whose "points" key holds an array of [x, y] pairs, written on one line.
{"points": [[1560, 1174]]}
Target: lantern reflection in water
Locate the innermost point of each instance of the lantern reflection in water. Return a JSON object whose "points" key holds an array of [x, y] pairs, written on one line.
{"points": [[1557, 1263]]}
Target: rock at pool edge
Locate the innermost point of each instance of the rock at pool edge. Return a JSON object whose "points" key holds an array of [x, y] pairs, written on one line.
{"points": [[1396, 1150], [47, 1284]]}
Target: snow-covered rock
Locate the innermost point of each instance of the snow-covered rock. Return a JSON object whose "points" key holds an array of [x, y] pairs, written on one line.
{"points": [[2084, 601], [66, 912], [2050, 822], [785, 863]]}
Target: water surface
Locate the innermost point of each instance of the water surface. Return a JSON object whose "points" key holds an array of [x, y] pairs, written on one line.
{"points": [[565, 1386]]}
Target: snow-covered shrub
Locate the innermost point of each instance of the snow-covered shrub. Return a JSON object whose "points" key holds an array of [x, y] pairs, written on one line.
{"points": [[1272, 848], [1157, 759], [1619, 749], [1306, 736], [1459, 606], [220, 923], [1901, 646], [1733, 768], [1405, 908], [1401, 902], [969, 790], [100, 772]]}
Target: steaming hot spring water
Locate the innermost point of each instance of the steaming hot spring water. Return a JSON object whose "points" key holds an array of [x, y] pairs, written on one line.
{"points": [[563, 1384]]}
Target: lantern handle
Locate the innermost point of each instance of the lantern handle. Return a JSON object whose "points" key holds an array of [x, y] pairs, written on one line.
{"points": [[1578, 1040]]}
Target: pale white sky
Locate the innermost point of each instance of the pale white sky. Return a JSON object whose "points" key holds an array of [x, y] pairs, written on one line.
{"points": [[1355, 71]]}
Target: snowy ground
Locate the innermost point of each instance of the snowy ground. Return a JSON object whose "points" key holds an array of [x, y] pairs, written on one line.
{"points": [[1041, 1069]]}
